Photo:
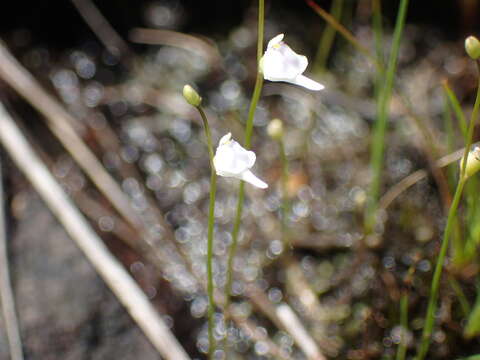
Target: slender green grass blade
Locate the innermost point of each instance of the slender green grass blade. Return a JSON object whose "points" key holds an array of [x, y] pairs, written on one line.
{"points": [[328, 36], [378, 142]]}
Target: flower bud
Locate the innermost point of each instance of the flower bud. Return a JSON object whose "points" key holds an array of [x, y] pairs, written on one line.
{"points": [[275, 129], [191, 96], [472, 46], [473, 162]]}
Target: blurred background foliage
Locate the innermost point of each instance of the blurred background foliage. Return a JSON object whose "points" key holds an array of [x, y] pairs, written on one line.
{"points": [[345, 288]]}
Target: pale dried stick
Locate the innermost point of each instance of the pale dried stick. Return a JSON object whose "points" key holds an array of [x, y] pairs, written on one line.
{"points": [[252, 330], [283, 321], [6, 292], [295, 327], [179, 40], [415, 177], [300, 289], [112, 272], [104, 31]]}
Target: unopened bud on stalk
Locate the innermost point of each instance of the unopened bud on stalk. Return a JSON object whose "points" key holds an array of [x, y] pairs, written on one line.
{"points": [[191, 96], [472, 46], [275, 129], [473, 162]]}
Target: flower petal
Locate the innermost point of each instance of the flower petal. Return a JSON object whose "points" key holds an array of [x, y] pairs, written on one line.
{"points": [[225, 139], [276, 40], [244, 156], [249, 177], [308, 83], [283, 64], [231, 159]]}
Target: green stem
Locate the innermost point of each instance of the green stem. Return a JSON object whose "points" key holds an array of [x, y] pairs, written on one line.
{"points": [[457, 241], [471, 125], [378, 144], [253, 107], [211, 221], [402, 347], [248, 136], [432, 301]]}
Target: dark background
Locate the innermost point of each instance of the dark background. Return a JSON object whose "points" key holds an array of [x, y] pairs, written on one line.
{"points": [[58, 24]]}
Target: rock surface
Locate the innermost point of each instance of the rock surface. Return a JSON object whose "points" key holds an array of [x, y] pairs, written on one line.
{"points": [[64, 308]]}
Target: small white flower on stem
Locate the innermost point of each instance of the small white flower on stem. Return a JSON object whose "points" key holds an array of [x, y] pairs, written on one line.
{"points": [[280, 63], [232, 160]]}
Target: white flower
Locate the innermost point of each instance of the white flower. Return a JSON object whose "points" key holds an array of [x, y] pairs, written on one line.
{"points": [[232, 160], [280, 63]]}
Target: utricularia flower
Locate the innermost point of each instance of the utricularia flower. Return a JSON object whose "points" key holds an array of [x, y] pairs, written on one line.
{"points": [[232, 160], [280, 63]]}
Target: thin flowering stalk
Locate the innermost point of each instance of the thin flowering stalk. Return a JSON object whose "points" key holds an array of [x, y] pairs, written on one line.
{"points": [[248, 136], [432, 301], [195, 100], [211, 220], [276, 132]]}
